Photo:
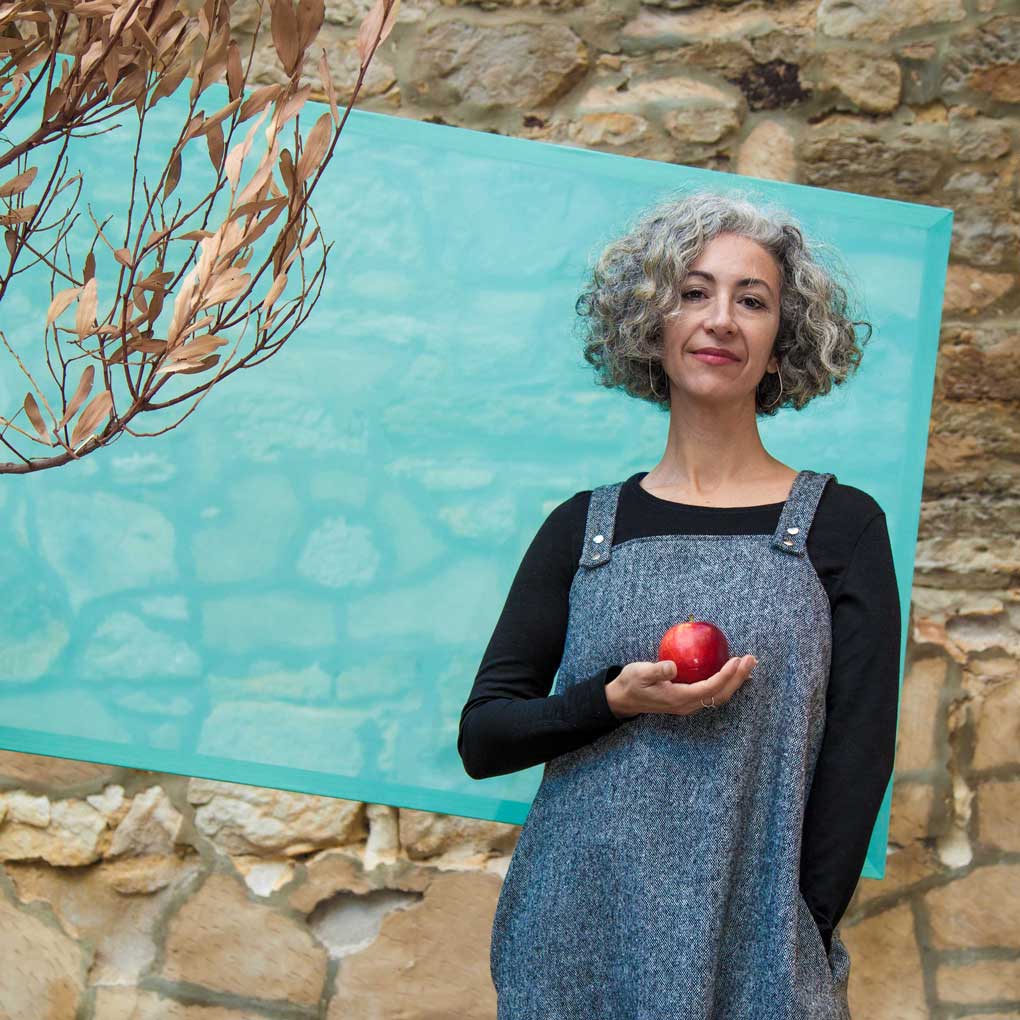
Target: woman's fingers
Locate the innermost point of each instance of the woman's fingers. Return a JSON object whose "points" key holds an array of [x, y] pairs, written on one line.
{"points": [[721, 686]]}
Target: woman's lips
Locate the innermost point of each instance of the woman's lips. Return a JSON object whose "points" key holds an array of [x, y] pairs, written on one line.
{"points": [[715, 359]]}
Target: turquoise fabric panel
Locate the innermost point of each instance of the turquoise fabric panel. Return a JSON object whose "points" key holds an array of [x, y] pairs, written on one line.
{"points": [[295, 587]]}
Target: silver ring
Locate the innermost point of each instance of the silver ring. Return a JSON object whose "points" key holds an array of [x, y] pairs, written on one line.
{"points": [[713, 705]]}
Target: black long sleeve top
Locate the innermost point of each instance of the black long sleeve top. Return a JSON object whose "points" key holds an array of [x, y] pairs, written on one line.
{"points": [[511, 722]]}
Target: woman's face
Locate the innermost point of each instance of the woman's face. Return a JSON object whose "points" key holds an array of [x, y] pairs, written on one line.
{"points": [[721, 309]]}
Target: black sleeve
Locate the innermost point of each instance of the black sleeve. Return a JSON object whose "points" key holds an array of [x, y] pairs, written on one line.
{"points": [[510, 721], [859, 743]]}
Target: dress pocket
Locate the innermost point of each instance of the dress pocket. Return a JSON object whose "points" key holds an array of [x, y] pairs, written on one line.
{"points": [[809, 926]]}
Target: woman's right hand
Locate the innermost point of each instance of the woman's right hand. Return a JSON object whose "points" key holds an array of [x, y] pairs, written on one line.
{"points": [[649, 687]]}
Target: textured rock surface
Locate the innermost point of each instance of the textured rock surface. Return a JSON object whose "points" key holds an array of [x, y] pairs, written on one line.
{"points": [[142, 896]]}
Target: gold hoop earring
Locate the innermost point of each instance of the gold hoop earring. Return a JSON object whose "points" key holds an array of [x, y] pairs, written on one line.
{"points": [[651, 385], [774, 402]]}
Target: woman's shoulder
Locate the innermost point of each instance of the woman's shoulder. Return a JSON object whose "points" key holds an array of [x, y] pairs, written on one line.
{"points": [[849, 502], [564, 524], [844, 514]]}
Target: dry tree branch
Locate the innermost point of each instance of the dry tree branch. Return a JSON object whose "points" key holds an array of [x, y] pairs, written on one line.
{"points": [[129, 55]]}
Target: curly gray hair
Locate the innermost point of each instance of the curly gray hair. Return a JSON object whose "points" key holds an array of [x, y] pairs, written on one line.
{"points": [[636, 282]]}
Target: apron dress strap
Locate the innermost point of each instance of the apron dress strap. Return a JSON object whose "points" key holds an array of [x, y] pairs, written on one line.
{"points": [[799, 512], [598, 532]]}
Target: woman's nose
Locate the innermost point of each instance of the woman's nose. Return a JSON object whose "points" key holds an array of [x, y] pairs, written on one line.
{"points": [[720, 318]]}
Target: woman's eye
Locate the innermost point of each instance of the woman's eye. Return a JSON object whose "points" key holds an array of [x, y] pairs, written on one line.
{"points": [[755, 303]]}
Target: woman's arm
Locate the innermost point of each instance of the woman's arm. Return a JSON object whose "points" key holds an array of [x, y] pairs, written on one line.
{"points": [[856, 757], [510, 721]]}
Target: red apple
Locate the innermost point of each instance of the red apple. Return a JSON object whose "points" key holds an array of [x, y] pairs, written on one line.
{"points": [[698, 648]]}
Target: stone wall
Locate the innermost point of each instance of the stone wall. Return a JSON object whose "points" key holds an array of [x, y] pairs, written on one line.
{"points": [[129, 894]]}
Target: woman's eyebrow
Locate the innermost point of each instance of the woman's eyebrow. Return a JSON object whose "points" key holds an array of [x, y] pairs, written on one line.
{"points": [[748, 281]]}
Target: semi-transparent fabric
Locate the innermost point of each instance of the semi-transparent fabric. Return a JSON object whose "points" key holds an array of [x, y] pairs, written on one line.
{"points": [[656, 875]]}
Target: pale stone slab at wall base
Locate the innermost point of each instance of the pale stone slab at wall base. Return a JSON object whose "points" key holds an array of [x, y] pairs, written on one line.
{"points": [[30, 770], [988, 981], [979, 910], [427, 961], [134, 1004], [115, 906], [221, 940], [990, 1016], [885, 971], [44, 970]]}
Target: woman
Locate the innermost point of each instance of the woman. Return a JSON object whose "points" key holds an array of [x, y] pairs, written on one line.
{"points": [[692, 847]]}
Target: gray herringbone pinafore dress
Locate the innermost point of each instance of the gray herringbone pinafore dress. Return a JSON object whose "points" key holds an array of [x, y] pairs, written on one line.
{"points": [[656, 876]]}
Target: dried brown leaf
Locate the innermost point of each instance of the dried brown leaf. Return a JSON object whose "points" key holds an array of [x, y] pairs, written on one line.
{"points": [[26, 62], [94, 8], [111, 69], [327, 84], [274, 292], [182, 307], [310, 15], [154, 238], [170, 80], [147, 41], [370, 28], [83, 390], [155, 305], [53, 102], [227, 285], [264, 222], [32, 410], [285, 34], [146, 345], [123, 256], [124, 13], [198, 324], [219, 116], [287, 170], [16, 185], [291, 107], [207, 363], [250, 208], [156, 280], [215, 62], [214, 143], [259, 100], [235, 73], [200, 347], [95, 411], [194, 126], [187, 367], [88, 300], [131, 88], [260, 177], [61, 301], [315, 147], [173, 176], [26, 212], [91, 55], [232, 165]]}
